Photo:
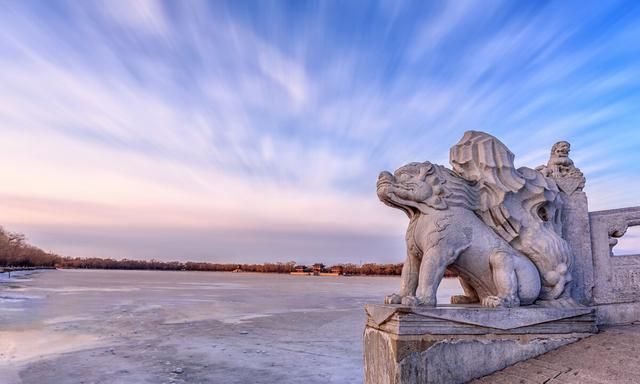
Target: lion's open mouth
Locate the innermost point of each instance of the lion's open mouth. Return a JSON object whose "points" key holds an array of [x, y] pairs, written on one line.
{"points": [[410, 211], [388, 196]]}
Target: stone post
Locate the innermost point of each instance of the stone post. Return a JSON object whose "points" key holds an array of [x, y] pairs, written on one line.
{"points": [[574, 218], [576, 231]]}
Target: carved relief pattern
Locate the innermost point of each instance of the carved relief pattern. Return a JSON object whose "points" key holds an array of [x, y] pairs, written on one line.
{"points": [[625, 278]]}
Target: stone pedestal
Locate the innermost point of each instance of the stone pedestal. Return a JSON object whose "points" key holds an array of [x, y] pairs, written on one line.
{"points": [[455, 344]]}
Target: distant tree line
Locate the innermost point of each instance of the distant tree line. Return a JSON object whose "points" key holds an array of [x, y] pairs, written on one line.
{"points": [[16, 252]]}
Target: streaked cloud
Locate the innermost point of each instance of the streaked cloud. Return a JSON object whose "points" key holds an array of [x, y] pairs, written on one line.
{"points": [[121, 120]]}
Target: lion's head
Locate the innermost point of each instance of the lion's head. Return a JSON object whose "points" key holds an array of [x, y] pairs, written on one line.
{"points": [[560, 149], [418, 187]]}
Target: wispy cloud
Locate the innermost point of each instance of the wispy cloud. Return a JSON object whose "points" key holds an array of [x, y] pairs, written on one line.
{"points": [[204, 118], [144, 16]]}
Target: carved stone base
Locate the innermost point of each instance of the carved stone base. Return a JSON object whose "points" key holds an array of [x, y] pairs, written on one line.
{"points": [[455, 344]]}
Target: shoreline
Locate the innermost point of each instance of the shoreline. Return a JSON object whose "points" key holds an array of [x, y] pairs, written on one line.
{"points": [[16, 274], [195, 270]]}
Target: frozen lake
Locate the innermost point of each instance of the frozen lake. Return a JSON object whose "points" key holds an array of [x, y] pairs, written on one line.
{"points": [[94, 326]]}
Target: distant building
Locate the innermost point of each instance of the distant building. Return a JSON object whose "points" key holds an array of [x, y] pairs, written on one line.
{"points": [[301, 270], [334, 271], [318, 268]]}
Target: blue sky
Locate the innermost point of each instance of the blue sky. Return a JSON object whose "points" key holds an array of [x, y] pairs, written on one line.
{"points": [[254, 131]]}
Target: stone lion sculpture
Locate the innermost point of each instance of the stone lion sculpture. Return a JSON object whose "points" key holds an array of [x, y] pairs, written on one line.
{"points": [[562, 170], [444, 232], [499, 227]]}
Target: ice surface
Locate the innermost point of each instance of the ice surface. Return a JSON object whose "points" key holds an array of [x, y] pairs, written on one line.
{"points": [[140, 326]]}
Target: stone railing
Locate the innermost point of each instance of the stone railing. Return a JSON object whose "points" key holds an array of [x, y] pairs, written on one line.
{"points": [[616, 291]]}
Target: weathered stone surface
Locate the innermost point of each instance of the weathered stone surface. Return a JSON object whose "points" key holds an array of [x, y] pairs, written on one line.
{"points": [[476, 320], [443, 360], [577, 231], [618, 313], [448, 360], [379, 314], [459, 361], [454, 344]]}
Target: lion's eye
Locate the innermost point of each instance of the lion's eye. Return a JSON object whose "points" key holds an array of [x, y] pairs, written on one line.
{"points": [[543, 214]]}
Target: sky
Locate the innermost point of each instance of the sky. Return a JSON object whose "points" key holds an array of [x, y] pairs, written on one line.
{"points": [[249, 131]]}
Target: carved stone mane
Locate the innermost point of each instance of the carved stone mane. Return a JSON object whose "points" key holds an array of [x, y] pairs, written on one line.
{"points": [[484, 159], [457, 191]]}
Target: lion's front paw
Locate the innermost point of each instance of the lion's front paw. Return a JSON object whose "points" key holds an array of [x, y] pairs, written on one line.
{"points": [[492, 302], [393, 299], [463, 299], [411, 301]]}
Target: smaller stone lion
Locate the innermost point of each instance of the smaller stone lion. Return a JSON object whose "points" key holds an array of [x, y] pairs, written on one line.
{"points": [[560, 165], [444, 232]]}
